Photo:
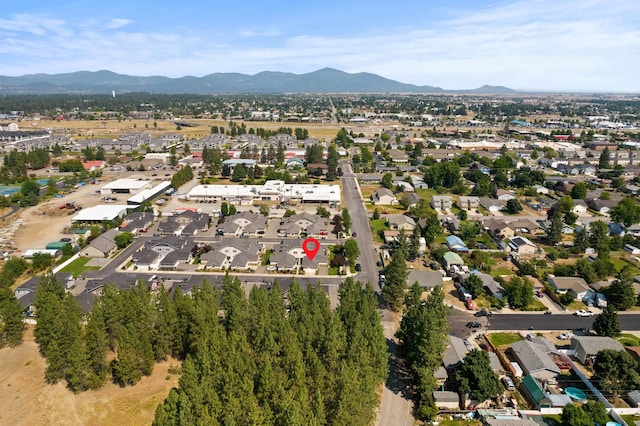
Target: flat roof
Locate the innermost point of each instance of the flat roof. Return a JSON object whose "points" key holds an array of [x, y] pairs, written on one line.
{"points": [[100, 212], [306, 192], [145, 194], [127, 184]]}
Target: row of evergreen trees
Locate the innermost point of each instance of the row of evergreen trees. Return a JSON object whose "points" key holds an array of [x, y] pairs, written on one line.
{"points": [[262, 359], [11, 324], [268, 363]]}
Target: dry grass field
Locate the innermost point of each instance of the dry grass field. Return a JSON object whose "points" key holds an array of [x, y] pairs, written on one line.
{"points": [[26, 399], [82, 129]]}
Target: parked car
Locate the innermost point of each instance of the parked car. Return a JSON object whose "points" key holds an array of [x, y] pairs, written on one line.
{"points": [[469, 304], [474, 324], [434, 265], [584, 313], [358, 267]]}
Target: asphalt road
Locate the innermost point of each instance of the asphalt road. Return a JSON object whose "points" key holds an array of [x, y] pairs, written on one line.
{"points": [[360, 225], [540, 322]]}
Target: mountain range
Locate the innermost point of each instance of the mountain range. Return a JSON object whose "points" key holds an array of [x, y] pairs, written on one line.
{"points": [[326, 80]]}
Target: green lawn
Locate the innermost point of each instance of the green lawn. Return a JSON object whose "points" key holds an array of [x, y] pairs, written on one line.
{"points": [[536, 306], [265, 257], [621, 263], [426, 193], [77, 266], [504, 339], [496, 272], [629, 340], [377, 226]]}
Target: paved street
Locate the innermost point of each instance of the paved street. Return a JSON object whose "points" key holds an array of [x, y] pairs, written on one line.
{"points": [[360, 225]]}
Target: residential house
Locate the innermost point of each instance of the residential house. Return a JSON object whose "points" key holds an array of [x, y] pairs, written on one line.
{"points": [[504, 195], [587, 347], [541, 189], [311, 225], [186, 223], [441, 202], [455, 243], [289, 257], [574, 285], [446, 400], [398, 156], [492, 205], [525, 226], [452, 259], [602, 206], [243, 223], [425, 279], [491, 286], [400, 221], [137, 222], [540, 399], [233, 253], [522, 247], [533, 357], [469, 203], [579, 207], [103, 245], [498, 228], [384, 197], [454, 354]]}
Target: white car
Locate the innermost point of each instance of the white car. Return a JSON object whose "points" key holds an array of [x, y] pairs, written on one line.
{"points": [[565, 336], [583, 313]]}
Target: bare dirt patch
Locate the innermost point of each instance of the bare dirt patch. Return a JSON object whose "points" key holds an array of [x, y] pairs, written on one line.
{"points": [[25, 398]]}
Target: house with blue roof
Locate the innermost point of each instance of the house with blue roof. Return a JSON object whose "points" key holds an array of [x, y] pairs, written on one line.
{"points": [[455, 243]]}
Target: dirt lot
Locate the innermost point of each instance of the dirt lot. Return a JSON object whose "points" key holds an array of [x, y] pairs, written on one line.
{"points": [[45, 222], [26, 399]]}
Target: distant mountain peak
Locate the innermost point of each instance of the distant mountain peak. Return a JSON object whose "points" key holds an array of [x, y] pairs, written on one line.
{"points": [[324, 80]]}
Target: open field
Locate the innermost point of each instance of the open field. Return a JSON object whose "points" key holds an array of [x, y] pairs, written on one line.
{"points": [[110, 128], [27, 400]]}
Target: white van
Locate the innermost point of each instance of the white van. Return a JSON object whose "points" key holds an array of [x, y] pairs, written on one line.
{"points": [[508, 383]]}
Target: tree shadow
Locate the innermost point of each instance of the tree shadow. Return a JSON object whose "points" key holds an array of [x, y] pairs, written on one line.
{"points": [[399, 379]]}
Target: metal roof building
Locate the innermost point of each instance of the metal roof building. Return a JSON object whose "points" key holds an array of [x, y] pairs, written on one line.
{"points": [[100, 213]]}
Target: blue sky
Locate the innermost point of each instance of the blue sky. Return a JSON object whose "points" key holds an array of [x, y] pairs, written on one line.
{"points": [[544, 45]]}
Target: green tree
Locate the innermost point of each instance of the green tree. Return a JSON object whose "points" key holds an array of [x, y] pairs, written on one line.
{"points": [[332, 163], [476, 378], [621, 294], [626, 212], [554, 233], [596, 411], [615, 371], [519, 292], [607, 323], [239, 173], [604, 161], [346, 219], [387, 180], [579, 191], [474, 285], [423, 338], [123, 239], [396, 280], [572, 415], [11, 325], [351, 250], [513, 206]]}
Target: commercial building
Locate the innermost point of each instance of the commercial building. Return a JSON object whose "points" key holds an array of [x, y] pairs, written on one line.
{"points": [[272, 190], [125, 186]]}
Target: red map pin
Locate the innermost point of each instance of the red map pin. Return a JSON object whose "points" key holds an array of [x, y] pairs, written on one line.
{"points": [[311, 246]]}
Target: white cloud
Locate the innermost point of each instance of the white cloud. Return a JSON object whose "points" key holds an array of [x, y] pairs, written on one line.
{"points": [[530, 45], [116, 23]]}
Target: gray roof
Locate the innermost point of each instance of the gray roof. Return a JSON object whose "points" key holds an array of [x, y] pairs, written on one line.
{"points": [[455, 352], [594, 344], [533, 355], [428, 279], [446, 396]]}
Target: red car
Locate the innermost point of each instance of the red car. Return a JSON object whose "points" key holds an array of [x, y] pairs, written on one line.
{"points": [[469, 304]]}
